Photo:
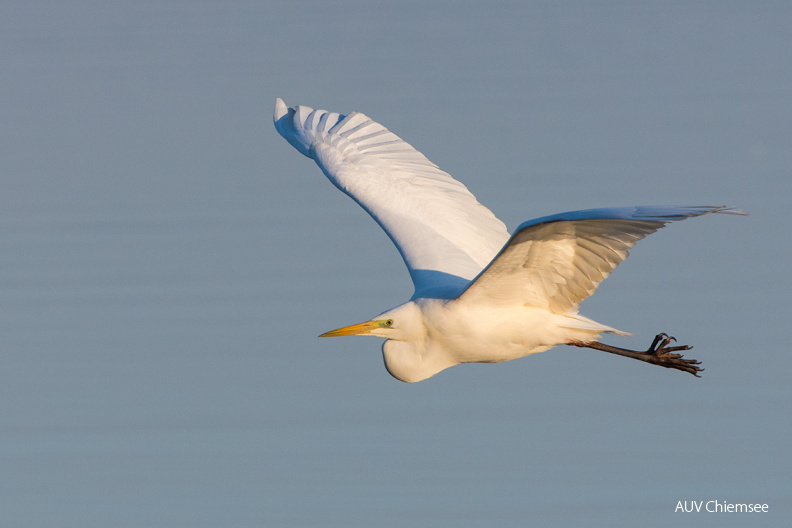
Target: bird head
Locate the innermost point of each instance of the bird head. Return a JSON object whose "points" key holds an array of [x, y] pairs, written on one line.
{"points": [[406, 352], [403, 323]]}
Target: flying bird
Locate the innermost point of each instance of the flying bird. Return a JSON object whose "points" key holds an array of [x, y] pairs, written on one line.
{"points": [[481, 295]]}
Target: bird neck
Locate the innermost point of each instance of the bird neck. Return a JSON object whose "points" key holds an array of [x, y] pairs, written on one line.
{"points": [[414, 361]]}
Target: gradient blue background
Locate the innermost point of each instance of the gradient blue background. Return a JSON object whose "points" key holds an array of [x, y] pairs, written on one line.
{"points": [[167, 261]]}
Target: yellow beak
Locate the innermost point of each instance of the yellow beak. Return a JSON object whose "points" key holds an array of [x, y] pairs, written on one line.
{"points": [[355, 329]]}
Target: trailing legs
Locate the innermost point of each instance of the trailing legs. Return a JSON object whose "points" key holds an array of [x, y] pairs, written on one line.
{"points": [[658, 353]]}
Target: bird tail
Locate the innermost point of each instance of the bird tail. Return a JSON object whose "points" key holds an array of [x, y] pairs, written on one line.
{"points": [[579, 322]]}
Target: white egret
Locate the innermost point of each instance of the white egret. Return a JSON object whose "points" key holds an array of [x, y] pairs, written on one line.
{"points": [[480, 294]]}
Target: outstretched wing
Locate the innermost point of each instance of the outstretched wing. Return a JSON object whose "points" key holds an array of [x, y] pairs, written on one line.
{"points": [[444, 235], [557, 261]]}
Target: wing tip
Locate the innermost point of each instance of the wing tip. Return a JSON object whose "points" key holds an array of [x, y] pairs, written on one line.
{"points": [[290, 122], [280, 117], [680, 212], [280, 109], [649, 213], [726, 209]]}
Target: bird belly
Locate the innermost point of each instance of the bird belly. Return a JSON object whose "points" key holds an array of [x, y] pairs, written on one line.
{"points": [[491, 334]]}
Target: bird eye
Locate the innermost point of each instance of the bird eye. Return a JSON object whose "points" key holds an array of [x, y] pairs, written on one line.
{"points": [[389, 322]]}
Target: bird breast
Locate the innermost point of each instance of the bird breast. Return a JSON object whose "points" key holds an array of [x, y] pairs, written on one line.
{"points": [[488, 333]]}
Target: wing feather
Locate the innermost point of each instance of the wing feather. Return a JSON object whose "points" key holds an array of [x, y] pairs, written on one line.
{"points": [[446, 237], [444, 234], [556, 262]]}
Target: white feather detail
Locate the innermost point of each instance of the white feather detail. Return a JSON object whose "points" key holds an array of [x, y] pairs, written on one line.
{"points": [[444, 234], [556, 262]]}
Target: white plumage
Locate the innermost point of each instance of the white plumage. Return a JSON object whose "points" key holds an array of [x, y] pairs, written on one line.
{"points": [[480, 295], [435, 222]]}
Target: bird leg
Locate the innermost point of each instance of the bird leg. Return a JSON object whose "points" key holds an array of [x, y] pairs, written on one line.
{"points": [[658, 353]]}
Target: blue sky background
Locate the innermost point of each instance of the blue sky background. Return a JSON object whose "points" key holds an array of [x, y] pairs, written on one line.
{"points": [[167, 261]]}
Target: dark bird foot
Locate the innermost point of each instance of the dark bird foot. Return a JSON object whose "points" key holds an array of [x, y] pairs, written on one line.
{"points": [[658, 353]]}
